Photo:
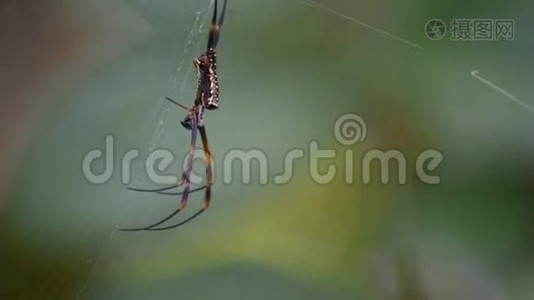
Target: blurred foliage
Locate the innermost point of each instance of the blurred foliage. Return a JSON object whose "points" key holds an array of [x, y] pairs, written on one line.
{"points": [[287, 71]]}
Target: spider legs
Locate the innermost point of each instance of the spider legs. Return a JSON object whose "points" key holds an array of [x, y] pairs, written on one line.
{"points": [[216, 26], [179, 184], [209, 170], [177, 103], [207, 197], [185, 179]]}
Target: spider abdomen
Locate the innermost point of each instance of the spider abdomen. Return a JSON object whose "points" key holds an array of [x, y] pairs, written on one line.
{"points": [[212, 99]]}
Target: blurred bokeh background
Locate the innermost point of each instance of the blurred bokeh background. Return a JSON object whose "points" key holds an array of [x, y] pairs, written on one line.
{"points": [[74, 72]]}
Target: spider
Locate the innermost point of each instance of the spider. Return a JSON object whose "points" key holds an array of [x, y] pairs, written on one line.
{"points": [[207, 98]]}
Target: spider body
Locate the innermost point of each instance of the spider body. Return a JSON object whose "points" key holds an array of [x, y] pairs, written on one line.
{"points": [[207, 88], [207, 98], [206, 66]]}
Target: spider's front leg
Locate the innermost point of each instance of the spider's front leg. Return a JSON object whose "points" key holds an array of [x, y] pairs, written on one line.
{"points": [[186, 174], [186, 123], [207, 197], [185, 179], [209, 170]]}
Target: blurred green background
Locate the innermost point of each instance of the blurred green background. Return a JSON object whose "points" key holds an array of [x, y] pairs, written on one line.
{"points": [[76, 71]]}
